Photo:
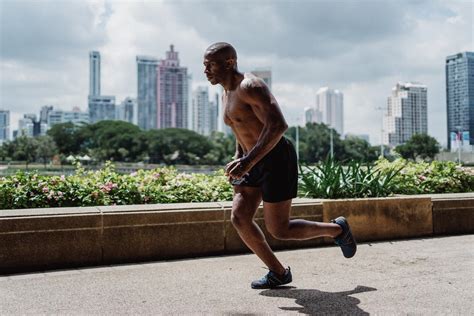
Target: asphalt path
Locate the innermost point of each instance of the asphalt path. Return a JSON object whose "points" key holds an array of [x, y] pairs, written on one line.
{"points": [[430, 276]]}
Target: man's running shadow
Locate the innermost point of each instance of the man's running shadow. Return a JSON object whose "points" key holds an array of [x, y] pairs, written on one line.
{"points": [[314, 302]]}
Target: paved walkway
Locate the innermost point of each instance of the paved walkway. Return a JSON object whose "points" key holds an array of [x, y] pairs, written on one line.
{"points": [[433, 276]]}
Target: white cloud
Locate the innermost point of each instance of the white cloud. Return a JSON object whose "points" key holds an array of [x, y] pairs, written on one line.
{"points": [[360, 47]]}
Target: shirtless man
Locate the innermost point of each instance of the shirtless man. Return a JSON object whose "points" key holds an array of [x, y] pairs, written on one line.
{"points": [[264, 167]]}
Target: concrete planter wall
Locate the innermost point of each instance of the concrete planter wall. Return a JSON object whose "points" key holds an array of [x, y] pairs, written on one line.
{"points": [[40, 239]]}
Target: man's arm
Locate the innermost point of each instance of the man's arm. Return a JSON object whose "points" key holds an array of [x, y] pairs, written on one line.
{"points": [[267, 110], [239, 152]]}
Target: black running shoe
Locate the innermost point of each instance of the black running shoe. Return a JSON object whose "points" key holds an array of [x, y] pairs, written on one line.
{"points": [[272, 280], [345, 239]]}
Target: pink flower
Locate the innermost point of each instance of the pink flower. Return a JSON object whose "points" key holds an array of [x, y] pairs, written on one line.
{"points": [[60, 193], [156, 175], [45, 190], [63, 178], [106, 188], [133, 174]]}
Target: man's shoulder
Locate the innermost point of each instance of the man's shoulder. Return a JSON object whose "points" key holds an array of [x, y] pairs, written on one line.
{"points": [[251, 83]]}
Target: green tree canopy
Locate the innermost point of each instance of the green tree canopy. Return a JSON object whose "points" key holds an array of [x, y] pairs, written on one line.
{"points": [[420, 146], [113, 140], [177, 146], [24, 148], [358, 149], [46, 148], [314, 142], [67, 137]]}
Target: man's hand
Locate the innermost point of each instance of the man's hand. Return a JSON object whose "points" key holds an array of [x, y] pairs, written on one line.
{"points": [[238, 168]]}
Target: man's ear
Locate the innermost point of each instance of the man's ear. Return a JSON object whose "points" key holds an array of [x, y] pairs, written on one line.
{"points": [[230, 63]]}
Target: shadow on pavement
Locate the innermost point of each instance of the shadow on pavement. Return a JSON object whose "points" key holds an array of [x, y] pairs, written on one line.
{"points": [[315, 302]]}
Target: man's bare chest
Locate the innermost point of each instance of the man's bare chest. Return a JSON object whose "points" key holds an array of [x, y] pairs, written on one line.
{"points": [[235, 109]]}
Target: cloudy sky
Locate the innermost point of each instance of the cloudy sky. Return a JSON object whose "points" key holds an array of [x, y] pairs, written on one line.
{"points": [[361, 47]]}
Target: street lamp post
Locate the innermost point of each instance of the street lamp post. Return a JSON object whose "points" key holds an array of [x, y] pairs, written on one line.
{"points": [[458, 138], [381, 131], [297, 142], [332, 145]]}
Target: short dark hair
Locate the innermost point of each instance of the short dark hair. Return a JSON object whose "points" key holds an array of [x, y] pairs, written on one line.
{"points": [[222, 49]]}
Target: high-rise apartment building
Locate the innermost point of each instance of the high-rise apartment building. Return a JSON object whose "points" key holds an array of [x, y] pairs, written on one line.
{"points": [[214, 113], [204, 111], [4, 125], [94, 73], [172, 92], [30, 126], [25, 127], [124, 110], [265, 75], [44, 113], [147, 92], [330, 105], [101, 108], [76, 116], [460, 100], [312, 115], [200, 109], [406, 113]]}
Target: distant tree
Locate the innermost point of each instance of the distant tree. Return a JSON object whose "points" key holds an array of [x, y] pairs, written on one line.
{"points": [[177, 146], [420, 146], [67, 137], [24, 149], [113, 140], [223, 148], [4, 151], [314, 142], [46, 148], [358, 149]]}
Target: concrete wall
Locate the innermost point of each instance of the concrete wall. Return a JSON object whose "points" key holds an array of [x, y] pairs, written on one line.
{"points": [[40, 239]]}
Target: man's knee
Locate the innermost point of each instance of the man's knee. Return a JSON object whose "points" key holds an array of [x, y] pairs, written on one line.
{"points": [[279, 232], [239, 220]]}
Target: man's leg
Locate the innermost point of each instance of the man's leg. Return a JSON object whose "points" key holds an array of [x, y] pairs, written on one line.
{"points": [[277, 220], [245, 204]]}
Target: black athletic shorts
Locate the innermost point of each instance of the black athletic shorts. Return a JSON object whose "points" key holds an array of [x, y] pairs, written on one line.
{"points": [[276, 174]]}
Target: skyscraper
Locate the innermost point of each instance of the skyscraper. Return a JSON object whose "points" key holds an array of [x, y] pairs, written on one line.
{"points": [[76, 116], [30, 126], [172, 92], [460, 100], [147, 92], [406, 113], [94, 73], [124, 110], [265, 75], [101, 108], [312, 115], [214, 113], [4, 125], [200, 109], [45, 110], [204, 111], [330, 104]]}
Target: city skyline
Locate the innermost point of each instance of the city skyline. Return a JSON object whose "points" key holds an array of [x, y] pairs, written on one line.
{"points": [[362, 49]]}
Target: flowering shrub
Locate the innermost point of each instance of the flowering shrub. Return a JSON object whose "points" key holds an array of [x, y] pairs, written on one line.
{"points": [[424, 177], [166, 185], [107, 187]]}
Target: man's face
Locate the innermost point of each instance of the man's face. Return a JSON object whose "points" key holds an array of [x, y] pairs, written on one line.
{"points": [[214, 68]]}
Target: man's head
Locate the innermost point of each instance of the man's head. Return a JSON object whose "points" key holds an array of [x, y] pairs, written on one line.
{"points": [[220, 60]]}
